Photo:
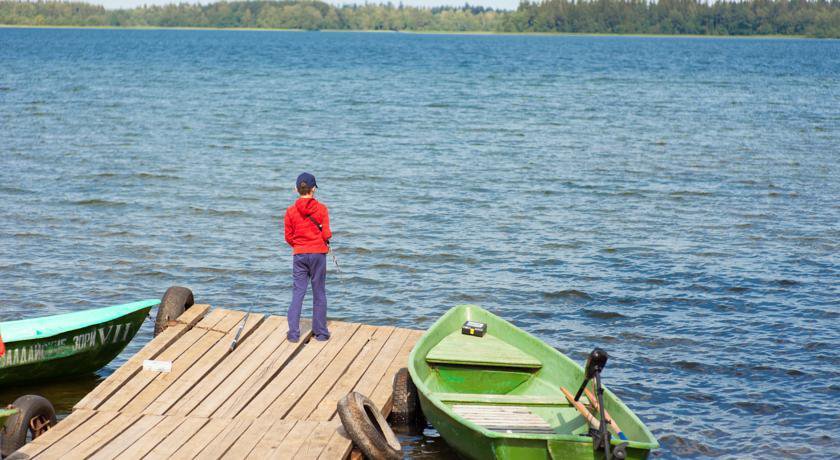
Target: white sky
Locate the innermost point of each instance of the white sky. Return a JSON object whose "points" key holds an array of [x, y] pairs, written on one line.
{"points": [[504, 4]]}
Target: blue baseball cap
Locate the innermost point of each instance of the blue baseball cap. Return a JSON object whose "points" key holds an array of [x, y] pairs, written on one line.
{"points": [[306, 177]]}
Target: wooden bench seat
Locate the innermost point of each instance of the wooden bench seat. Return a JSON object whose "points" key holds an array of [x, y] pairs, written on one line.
{"points": [[504, 400], [504, 419]]}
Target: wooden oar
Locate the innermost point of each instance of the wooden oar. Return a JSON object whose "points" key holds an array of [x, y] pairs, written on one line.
{"points": [[580, 408], [611, 422]]}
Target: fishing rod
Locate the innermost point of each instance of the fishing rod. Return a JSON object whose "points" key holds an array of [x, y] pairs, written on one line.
{"points": [[329, 247], [332, 254], [239, 332]]}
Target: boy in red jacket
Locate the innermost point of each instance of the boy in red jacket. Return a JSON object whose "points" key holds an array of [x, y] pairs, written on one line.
{"points": [[307, 226]]}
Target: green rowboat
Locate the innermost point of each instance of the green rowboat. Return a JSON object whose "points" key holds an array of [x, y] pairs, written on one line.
{"points": [[6, 413], [72, 344], [498, 396]]}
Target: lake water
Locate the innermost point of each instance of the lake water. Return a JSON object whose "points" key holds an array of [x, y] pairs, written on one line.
{"points": [[675, 201]]}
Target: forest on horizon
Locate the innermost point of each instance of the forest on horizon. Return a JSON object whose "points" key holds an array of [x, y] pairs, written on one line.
{"points": [[814, 18]]}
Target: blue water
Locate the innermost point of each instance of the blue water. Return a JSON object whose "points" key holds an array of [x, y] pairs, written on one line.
{"points": [[672, 200]]}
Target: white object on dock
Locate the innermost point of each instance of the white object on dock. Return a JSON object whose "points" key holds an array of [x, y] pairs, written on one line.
{"points": [[157, 366]]}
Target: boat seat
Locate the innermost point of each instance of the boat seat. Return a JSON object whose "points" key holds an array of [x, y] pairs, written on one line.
{"points": [[524, 400], [504, 419], [458, 348]]}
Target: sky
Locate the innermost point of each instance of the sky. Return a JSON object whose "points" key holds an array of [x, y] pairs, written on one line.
{"points": [[503, 4]]}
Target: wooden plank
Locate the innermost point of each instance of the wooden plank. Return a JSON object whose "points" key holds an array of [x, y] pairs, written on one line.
{"points": [[294, 440], [350, 363], [338, 446], [143, 378], [218, 448], [382, 395], [201, 439], [128, 437], [150, 440], [367, 382], [210, 321], [266, 372], [525, 430], [341, 332], [167, 447], [377, 371], [152, 350], [303, 405], [189, 318], [265, 447], [504, 418], [526, 400], [59, 449], [266, 378], [303, 379], [231, 319], [180, 366], [249, 440], [317, 441], [193, 315], [54, 435], [203, 367], [95, 442], [485, 409], [217, 387], [500, 421]]}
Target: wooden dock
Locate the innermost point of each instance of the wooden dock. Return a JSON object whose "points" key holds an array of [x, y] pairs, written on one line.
{"points": [[269, 398]]}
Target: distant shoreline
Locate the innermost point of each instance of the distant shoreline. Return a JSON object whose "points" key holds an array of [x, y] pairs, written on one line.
{"points": [[418, 32]]}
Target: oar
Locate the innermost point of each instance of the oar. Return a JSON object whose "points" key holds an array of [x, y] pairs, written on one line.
{"points": [[579, 406], [610, 421], [241, 327]]}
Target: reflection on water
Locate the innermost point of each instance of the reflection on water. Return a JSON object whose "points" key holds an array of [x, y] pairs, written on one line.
{"points": [[421, 440], [62, 394]]}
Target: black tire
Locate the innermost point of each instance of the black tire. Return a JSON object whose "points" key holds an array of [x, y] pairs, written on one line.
{"points": [[368, 429], [174, 303], [404, 410], [34, 410]]}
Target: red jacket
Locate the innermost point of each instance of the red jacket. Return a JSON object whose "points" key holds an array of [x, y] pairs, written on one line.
{"points": [[301, 233]]}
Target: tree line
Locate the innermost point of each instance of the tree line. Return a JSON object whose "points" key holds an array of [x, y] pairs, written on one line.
{"points": [[816, 18]]}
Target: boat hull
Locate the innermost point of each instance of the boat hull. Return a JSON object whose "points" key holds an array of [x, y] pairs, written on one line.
{"points": [[72, 353], [473, 444], [456, 374], [5, 414]]}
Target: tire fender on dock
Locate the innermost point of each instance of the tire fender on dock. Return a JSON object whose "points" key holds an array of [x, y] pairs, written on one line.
{"points": [[176, 300], [36, 415], [404, 409], [368, 429]]}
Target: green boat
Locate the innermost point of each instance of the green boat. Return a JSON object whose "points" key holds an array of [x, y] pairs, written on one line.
{"points": [[499, 396], [5, 414], [50, 347]]}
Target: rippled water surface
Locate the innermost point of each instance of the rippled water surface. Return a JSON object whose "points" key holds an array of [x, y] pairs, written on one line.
{"points": [[672, 200]]}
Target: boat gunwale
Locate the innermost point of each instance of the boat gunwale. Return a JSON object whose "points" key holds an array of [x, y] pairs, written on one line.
{"points": [[441, 406], [83, 319]]}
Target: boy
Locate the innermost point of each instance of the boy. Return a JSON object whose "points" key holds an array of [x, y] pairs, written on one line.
{"points": [[307, 227]]}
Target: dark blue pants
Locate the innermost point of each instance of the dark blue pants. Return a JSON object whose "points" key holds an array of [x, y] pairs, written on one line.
{"points": [[306, 267]]}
